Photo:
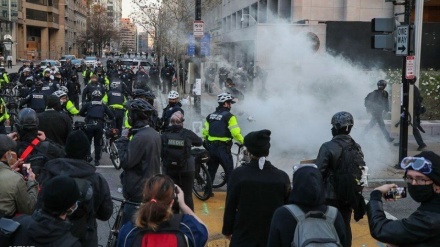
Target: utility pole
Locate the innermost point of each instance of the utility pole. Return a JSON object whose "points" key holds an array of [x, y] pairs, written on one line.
{"points": [[197, 70], [404, 116]]}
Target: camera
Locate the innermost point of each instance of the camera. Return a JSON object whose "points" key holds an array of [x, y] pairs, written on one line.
{"points": [[396, 193]]}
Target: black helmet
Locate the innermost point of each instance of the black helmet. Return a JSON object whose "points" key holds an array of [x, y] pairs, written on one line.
{"points": [[138, 109], [38, 83], [27, 119], [150, 95], [342, 119], [137, 93], [382, 83]]}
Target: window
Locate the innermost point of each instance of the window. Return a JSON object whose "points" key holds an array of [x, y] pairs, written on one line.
{"points": [[37, 15]]}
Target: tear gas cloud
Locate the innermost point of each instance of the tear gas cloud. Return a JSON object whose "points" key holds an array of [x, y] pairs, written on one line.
{"points": [[303, 91]]}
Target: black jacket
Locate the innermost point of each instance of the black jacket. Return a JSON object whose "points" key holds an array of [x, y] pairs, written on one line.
{"points": [[102, 201], [168, 111], [55, 125], [252, 197], [377, 102], [420, 229], [140, 160], [307, 193], [194, 140], [41, 229]]}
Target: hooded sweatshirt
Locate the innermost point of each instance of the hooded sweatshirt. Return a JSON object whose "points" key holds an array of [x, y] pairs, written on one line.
{"points": [[309, 194], [42, 229]]}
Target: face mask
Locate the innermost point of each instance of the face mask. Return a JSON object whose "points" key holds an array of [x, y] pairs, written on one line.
{"points": [[334, 132], [420, 193]]}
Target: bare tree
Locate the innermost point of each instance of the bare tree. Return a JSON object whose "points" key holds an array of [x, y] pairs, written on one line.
{"points": [[100, 29]]}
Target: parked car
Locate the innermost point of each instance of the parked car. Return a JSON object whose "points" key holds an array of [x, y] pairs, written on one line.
{"points": [[141, 62], [79, 64], [90, 61], [49, 63], [65, 57]]}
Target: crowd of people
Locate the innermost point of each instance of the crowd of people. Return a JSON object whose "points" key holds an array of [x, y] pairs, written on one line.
{"points": [[54, 192]]}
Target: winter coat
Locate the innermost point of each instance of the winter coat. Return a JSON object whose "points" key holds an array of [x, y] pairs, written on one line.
{"points": [[308, 193], [252, 197], [41, 229]]}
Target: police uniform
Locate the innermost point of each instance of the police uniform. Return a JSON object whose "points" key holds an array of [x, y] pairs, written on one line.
{"points": [[49, 87], [35, 100], [4, 79], [87, 74], [116, 100], [88, 90], [3, 116], [168, 112], [219, 129], [94, 113]]}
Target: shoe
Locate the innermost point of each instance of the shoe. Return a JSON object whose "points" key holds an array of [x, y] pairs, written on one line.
{"points": [[211, 195], [421, 147], [397, 144], [97, 163], [390, 139]]}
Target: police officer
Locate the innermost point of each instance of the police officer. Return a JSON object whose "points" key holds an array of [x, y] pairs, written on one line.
{"points": [[173, 106], [127, 78], [49, 86], [222, 76], [115, 99], [377, 103], [66, 104], [26, 88], [4, 79], [154, 76], [98, 68], [94, 113], [219, 129], [154, 120], [167, 74], [102, 78], [25, 74], [36, 99], [73, 89], [87, 74], [90, 88], [4, 116]]}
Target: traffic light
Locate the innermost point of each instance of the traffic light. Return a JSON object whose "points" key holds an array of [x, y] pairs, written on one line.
{"points": [[386, 39]]}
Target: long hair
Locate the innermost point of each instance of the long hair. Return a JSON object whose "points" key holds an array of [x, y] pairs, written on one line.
{"points": [[158, 194]]}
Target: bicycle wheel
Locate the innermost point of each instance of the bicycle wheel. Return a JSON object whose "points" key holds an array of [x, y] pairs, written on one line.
{"points": [[220, 177], [114, 156], [202, 187]]}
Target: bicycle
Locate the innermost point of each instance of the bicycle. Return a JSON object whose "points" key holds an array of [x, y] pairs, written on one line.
{"points": [[109, 146], [241, 158], [114, 229], [202, 187]]}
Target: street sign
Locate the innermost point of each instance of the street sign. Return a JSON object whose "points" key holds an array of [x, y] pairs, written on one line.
{"points": [[191, 45], [205, 45], [198, 29], [402, 41], [410, 67]]}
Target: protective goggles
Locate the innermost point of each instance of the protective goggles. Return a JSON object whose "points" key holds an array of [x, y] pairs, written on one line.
{"points": [[419, 164]]}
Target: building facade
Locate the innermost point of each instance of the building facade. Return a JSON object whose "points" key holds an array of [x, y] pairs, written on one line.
{"points": [[128, 35]]}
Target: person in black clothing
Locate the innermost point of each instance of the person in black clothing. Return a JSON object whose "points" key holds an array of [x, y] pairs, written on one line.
{"points": [[420, 229], [75, 165], [231, 89], [49, 226], [55, 124], [155, 121], [308, 194], [94, 113], [90, 88], [73, 89], [154, 76], [29, 135], [173, 106], [49, 85], [36, 99], [184, 176], [255, 190], [142, 79], [328, 161], [377, 103], [167, 74], [222, 76]]}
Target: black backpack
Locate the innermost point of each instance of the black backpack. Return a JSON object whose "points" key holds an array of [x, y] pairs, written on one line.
{"points": [[349, 169], [175, 150], [84, 214]]}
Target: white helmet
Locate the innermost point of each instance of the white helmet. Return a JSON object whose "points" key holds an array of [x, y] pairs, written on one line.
{"points": [[223, 97], [27, 70], [173, 95], [64, 89], [59, 93]]}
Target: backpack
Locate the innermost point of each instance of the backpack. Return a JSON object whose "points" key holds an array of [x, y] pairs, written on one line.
{"points": [[84, 213], [349, 170], [175, 150], [167, 235], [314, 229]]}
